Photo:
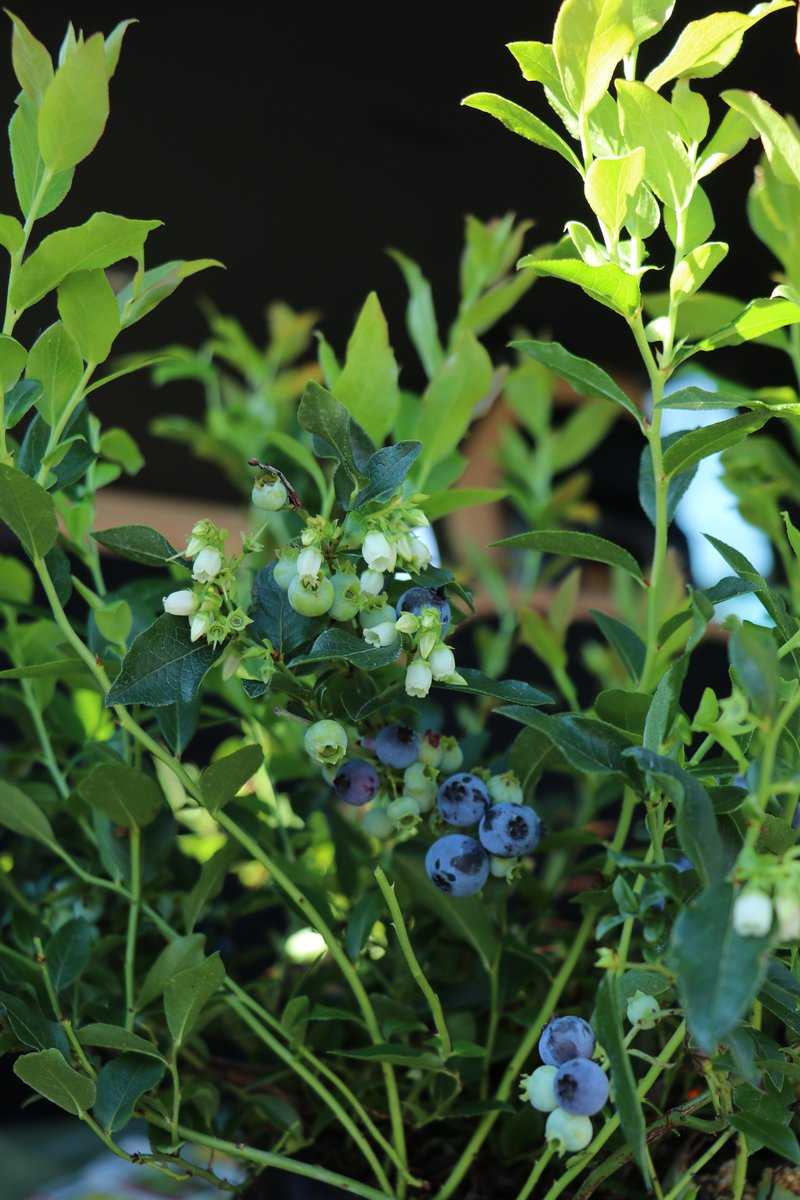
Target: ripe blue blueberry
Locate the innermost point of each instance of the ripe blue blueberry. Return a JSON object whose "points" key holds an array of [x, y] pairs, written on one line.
{"points": [[457, 865], [356, 782], [462, 799], [565, 1038], [415, 599], [509, 830], [581, 1087], [397, 746]]}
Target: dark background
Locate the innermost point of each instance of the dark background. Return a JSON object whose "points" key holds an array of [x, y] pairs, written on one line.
{"points": [[296, 142]]}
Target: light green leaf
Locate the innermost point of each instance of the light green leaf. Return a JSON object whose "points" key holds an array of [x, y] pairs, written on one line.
{"points": [[74, 109], [705, 47], [698, 221], [55, 361], [692, 109], [88, 307], [758, 318], [188, 993], [31, 60], [450, 399], [781, 142], [367, 386], [11, 233], [520, 121], [100, 242], [586, 377], [441, 504], [590, 39], [128, 796], [690, 448], [28, 167], [19, 814], [692, 271], [113, 44], [118, 446], [610, 186], [16, 585], [114, 1037], [177, 956], [28, 511], [12, 361], [650, 16], [576, 545], [49, 1074], [733, 133], [221, 781], [649, 120], [481, 314], [120, 1084], [538, 65], [608, 284], [148, 289], [420, 314]]}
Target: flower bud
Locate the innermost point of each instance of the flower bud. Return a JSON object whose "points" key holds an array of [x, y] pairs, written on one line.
{"points": [[407, 623], [752, 913], [505, 788], [269, 493], [379, 553], [199, 626], [180, 604], [442, 661], [787, 910], [452, 755], [428, 642], [420, 554], [309, 563], [326, 742], [418, 678], [643, 1010], [207, 564], [384, 634], [371, 582]]}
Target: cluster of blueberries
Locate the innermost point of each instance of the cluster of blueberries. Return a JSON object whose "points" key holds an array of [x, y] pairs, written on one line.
{"points": [[457, 864], [570, 1087]]}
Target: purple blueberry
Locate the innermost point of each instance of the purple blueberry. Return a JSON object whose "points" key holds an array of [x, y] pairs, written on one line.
{"points": [[457, 865], [463, 799], [397, 746], [508, 830], [415, 599], [356, 782], [565, 1038], [581, 1087]]}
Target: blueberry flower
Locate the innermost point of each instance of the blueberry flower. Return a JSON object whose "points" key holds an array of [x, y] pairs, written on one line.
{"points": [[581, 1087], [397, 746], [356, 782], [463, 799], [509, 830], [442, 661], [564, 1038], [207, 564], [199, 626], [379, 553], [285, 568], [181, 603], [787, 910], [382, 634], [371, 582], [752, 913], [418, 678], [457, 865], [309, 563]]}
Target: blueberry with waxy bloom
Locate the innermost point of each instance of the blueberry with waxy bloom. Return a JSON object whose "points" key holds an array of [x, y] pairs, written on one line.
{"points": [[462, 799], [509, 830], [581, 1087], [356, 782], [457, 865], [537, 1088], [397, 746], [564, 1038]]}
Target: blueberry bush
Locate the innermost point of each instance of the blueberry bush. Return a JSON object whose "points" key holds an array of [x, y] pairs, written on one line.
{"points": [[286, 876]]}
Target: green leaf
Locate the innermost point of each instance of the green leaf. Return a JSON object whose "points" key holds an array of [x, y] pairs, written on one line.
{"points": [[692, 271], [163, 665], [148, 288], [705, 47], [732, 135], [48, 1073], [55, 361], [118, 446], [12, 362], [120, 1084], [695, 445], [510, 691], [774, 1136], [676, 489], [420, 314], [68, 952], [88, 307], [399, 1055], [450, 399], [100, 242], [469, 920], [74, 108], [607, 284], [19, 814], [692, 109], [760, 317], [441, 504], [178, 955], [365, 912], [611, 186], [780, 139], [386, 469], [20, 400], [127, 796], [589, 746], [322, 414], [16, 587], [188, 993], [209, 883], [178, 724], [576, 545], [480, 315], [28, 166], [649, 120], [520, 121], [114, 1037], [340, 644], [754, 659], [590, 39], [608, 1026], [139, 543], [275, 619], [367, 385], [221, 781], [719, 972], [29, 1026], [627, 643], [586, 378], [31, 60], [28, 511]]}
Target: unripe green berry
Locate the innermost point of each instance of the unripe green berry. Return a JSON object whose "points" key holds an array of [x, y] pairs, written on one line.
{"points": [[311, 599], [347, 596], [326, 742]]}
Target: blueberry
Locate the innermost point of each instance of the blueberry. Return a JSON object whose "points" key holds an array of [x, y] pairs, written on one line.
{"points": [[509, 830], [356, 782], [581, 1087], [462, 799], [397, 746], [415, 599], [457, 865], [564, 1038]]}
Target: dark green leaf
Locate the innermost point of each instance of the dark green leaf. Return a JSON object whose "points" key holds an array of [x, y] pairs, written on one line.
{"points": [[275, 619], [120, 1084], [162, 666], [209, 883], [587, 378], [20, 400], [139, 543], [512, 691], [576, 545], [178, 724], [754, 658], [187, 994], [19, 814], [68, 952], [695, 445], [28, 511], [114, 1037], [128, 797], [608, 1026], [469, 919], [365, 913], [627, 643], [48, 1073], [221, 781], [339, 644], [30, 1027], [321, 414], [176, 956], [774, 1136], [386, 469], [676, 488]]}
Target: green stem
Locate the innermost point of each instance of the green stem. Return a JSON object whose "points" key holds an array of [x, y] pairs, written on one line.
{"points": [[10, 318], [698, 1165], [494, 1022], [740, 1170], [518, 1061], [538, 1170], [767, 766], [629, 802], [417, 973], [172, 1065], [133, 926], [63, 420]]}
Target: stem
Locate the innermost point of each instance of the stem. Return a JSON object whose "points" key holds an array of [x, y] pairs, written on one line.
{"points": [[740, 1170], [63, 420], [689, 1175], [629, 802], [172, 1064], [10, 319], [767, 765], [417, 973], [133, 925], [518, 1061], [494, 1021], [537, 1171]]}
